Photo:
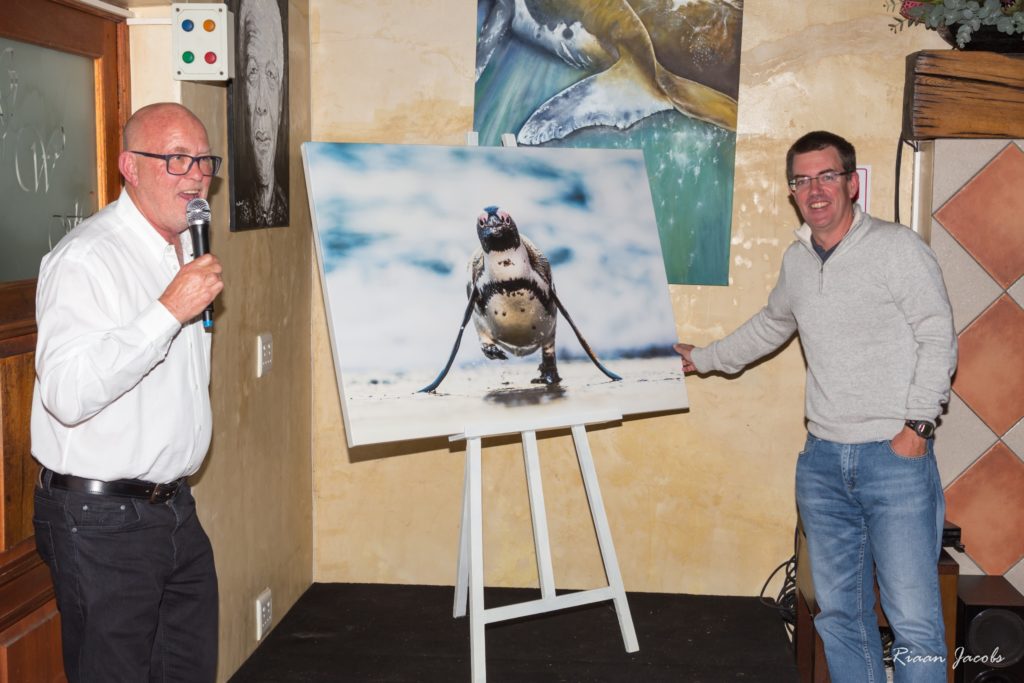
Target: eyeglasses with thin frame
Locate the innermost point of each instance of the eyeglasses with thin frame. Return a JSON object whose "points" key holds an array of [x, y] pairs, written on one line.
{"points": [[802, 182], [181, 164]]}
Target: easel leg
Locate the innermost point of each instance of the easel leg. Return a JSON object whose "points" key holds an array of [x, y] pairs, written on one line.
{"points": [[462, 568], [604, 537], [539, 515], [478, 656]]}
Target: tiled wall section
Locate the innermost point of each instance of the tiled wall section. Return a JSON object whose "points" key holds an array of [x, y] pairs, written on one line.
{"points": [[978, 236]]}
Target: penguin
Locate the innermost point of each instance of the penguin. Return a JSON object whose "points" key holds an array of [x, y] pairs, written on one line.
{"points": [[512, 300]]}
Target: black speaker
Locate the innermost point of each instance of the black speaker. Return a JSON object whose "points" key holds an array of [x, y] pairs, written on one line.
{"points": [[989, 631]]}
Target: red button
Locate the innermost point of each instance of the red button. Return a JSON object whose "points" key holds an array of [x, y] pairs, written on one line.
{"points": [[211, 57]]}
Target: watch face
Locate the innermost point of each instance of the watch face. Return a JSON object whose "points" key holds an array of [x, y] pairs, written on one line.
{"points": [[923, 429]]}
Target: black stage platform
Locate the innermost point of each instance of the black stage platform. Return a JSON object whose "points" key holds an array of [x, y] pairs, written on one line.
{"points": [[368, 632]]}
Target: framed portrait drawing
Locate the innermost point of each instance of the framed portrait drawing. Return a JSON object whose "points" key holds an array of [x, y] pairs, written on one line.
{"points": [[258, 115]]}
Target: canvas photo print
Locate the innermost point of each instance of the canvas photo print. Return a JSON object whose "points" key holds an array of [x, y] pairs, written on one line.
{"points": [[469, 286], [657, 75]]}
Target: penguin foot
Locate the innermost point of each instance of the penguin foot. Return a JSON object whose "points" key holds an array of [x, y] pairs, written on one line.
{"points": [[493, 351], [548, 376]]}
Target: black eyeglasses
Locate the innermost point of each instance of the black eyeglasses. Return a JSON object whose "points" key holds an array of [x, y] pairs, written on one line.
{"points": [[181, 164], [802, 182]]}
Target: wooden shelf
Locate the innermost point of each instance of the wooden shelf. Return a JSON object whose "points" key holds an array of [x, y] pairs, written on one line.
{"points": [[955, 94]]}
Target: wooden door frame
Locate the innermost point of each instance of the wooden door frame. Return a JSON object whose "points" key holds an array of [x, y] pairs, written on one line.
{"points": [[83, 30]]}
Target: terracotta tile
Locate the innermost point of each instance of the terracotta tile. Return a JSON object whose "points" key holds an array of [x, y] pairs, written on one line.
{"points": [[957, 161], [990, 372], [987, 501], [987, 216]]}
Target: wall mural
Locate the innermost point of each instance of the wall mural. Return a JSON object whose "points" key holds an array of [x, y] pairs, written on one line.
{"points": [[471, 285], [656, 75]]}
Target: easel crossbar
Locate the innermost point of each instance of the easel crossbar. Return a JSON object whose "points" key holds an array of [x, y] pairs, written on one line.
{"points": [[559, 602]]}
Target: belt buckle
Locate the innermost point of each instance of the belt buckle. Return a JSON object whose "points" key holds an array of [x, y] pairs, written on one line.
{"points": [[164, 492]]}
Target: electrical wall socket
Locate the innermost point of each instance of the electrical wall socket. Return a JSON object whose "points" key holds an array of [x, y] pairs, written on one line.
{"points": [[264, 353], [264, 614]]}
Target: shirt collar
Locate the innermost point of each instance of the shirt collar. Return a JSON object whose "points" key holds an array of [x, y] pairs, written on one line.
{"points": [[803, 233], [154, 244]]}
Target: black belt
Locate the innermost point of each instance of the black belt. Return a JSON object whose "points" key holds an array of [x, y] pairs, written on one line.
{"points": [[131, 488]]}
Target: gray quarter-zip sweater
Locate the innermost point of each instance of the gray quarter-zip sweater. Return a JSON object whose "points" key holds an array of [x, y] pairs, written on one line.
{"points": [[875, 325]]}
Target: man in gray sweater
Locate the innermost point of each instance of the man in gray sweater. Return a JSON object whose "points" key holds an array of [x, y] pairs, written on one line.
{"points": [[868, 302]]}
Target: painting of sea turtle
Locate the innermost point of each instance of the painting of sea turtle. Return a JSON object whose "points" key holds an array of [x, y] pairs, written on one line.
{"points": [[659, 75]]}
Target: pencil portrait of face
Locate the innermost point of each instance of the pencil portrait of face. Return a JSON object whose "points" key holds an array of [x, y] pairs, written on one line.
{"points": [[259, 116]]}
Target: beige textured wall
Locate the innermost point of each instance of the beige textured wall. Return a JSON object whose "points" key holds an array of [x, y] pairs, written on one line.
{"points": [[254, 491], [699, 502]]}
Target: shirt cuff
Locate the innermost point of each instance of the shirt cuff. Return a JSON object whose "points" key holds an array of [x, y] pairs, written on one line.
{"points": [[157, 324], [703, 359]]}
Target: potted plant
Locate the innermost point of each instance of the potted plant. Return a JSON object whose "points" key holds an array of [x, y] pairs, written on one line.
{"points": [[970, 24]]}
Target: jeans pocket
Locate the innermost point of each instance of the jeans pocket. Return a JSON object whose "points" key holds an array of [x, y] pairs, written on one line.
{"points": [[808, 446], [910, 458], [101, 513]]}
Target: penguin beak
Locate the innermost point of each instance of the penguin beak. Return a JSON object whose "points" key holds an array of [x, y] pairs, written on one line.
{"points": [[489, 226]]}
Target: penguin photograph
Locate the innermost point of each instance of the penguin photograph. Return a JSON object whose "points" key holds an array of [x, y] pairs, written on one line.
{"points": [[468, 285]]}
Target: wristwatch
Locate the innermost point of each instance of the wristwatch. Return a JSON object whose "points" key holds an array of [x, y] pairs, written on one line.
{"points": [[922, 428]]}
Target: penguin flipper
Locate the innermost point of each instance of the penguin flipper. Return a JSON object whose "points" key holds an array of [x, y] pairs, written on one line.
{"points": [[583, 342], [455, 349]]}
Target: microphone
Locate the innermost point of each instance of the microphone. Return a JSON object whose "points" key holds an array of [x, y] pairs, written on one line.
{"points": [[198, 214]]}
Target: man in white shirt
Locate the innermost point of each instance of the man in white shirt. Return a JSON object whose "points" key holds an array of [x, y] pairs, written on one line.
{"points": [[121, 417]]}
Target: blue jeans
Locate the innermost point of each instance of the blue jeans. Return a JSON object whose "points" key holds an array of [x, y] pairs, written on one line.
{"points": [[135, 584], [862, 504]]}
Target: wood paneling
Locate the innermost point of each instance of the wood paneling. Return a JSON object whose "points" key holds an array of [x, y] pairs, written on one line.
{"points": [[17, 317], [955, 94], [29, 622], [17, 375]]}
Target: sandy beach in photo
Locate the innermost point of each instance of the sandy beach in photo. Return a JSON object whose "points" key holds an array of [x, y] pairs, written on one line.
{"points": [[391, 409]]}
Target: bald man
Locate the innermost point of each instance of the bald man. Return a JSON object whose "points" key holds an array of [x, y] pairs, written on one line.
{"points": [[261, 40], [121, 417]]}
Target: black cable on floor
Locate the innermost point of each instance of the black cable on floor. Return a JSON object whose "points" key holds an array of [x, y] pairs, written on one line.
{"points": [[785, 602]]}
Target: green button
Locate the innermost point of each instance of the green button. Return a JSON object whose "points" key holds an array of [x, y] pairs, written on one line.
{"points": [[188, 57]]}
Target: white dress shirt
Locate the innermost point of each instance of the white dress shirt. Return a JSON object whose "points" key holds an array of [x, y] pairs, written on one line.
{"points": [[122, 389]]}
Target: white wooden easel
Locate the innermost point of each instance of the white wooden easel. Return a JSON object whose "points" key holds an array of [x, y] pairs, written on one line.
{"points": [[470, 581]]}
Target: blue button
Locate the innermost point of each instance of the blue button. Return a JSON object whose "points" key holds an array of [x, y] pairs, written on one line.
{"points": [[188, 25]]}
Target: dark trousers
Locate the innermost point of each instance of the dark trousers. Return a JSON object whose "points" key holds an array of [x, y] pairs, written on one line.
{"points": [[136, 586]]}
